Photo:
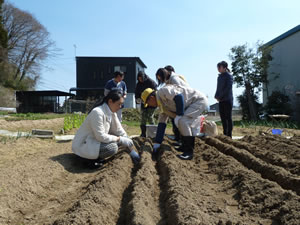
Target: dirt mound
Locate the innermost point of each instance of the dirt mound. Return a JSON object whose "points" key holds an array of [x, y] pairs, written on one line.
{"points": [[251, 181], [27, 125]]}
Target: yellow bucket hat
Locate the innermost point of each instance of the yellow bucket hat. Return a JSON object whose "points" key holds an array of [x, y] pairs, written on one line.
{"points": [[146, 93]]}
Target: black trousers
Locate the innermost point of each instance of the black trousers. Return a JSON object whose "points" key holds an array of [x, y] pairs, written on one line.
{"points": [[226, 117]]}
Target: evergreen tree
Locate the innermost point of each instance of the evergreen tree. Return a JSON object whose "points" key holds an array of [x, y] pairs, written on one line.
{"points": [[250, 70]]}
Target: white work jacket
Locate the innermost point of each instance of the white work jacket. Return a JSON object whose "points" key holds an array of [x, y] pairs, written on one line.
{"points": [[100, 126], [177, 80], [165, 97]]}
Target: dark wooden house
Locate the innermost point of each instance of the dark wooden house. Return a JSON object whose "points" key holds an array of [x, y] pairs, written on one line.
{"points": [[92, 73], [39, 101]]}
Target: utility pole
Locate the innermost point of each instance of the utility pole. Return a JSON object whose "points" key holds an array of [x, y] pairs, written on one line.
{"points": [[75, 49]]}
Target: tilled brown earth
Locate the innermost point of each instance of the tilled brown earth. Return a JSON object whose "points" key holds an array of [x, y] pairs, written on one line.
{"points": [[255, 180]]}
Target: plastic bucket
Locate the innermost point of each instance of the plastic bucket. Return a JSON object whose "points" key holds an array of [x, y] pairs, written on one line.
{"points": [[151, 131], [277, 131]]}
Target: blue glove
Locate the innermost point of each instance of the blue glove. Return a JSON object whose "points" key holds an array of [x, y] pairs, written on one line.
{"points": [[135, 157], [155, 147], [155, 151]]}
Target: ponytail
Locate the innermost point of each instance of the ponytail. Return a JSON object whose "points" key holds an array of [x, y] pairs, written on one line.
{"points": [[114, 95], [163, 74], [224, 65]]}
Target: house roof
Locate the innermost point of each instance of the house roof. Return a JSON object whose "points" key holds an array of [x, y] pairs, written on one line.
{"points": [[44, 93], [283, 36], [115, 57], [86, 89]]}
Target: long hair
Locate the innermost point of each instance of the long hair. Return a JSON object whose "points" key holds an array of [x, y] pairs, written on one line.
{"points": [[170, 68], [142, 75], [224, 65], [114, 95], [163, 74]]}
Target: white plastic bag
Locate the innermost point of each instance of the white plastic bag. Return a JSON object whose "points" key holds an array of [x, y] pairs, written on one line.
{"points": [[210, 128], [197, 126]]}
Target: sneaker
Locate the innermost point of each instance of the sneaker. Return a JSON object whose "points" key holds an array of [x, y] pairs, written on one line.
{"points": [[95, 165], [185, 156]]}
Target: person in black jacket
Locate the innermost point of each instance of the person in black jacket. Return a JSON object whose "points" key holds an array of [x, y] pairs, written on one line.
{"points": [[224, 97], [144, 82]]}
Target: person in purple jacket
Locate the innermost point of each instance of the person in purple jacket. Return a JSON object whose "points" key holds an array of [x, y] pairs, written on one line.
{"points": [[224, 97]]}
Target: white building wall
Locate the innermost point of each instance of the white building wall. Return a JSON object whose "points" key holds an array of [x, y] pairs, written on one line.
{"points": [[130, 101]]}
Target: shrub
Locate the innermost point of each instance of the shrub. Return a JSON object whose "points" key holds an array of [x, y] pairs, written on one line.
{"points": [[73, 121], [243, 101], [278, 103], [7, 97]]}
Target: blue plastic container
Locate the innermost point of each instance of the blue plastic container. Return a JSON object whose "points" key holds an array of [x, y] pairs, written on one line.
{"points": [[277, 131]]}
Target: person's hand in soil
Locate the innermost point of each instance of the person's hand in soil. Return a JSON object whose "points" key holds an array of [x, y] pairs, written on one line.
{"points": [[135, 157], [125, 141], [155, 152]]}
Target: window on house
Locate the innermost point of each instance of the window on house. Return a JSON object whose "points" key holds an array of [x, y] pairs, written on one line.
{"points": [[120, 68]]}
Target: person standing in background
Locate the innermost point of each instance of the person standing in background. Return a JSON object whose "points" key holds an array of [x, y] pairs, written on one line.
{"points": [[224, 97], [144, 82], [117, 83]]}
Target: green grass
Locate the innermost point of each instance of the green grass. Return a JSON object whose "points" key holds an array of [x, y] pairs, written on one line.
{"points": [[131, 123], [73, 121], [34, 116], [2, 113], [265, 123]]}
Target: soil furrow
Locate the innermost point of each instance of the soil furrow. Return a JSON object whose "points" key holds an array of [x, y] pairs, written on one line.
{"points": [[144, 206], [291, 165], [256, 197], [278, 145], [296, 139], [193, 195], [103, 197], [274, 173], [283, 139], [42, 182]]}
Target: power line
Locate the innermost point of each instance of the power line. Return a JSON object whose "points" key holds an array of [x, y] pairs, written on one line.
{"points": [[47, 87], [54, 83]]}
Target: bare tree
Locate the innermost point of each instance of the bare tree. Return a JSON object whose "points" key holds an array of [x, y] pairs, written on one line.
{"points": [[28, 45], [3, 36]]}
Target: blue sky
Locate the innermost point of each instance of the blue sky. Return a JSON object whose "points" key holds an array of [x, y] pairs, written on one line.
{"points": [[191, 35]]}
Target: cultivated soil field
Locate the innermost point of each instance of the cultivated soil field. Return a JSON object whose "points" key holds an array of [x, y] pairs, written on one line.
{"points": [[254, 180]]}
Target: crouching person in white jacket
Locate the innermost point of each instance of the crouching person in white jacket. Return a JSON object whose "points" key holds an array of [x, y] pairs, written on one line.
{"points": [[101, 132], [185, 105]]}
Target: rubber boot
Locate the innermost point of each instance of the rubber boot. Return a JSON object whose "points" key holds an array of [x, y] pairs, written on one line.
{"points": [[143, 130], [175, 131], [188, 145]]}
